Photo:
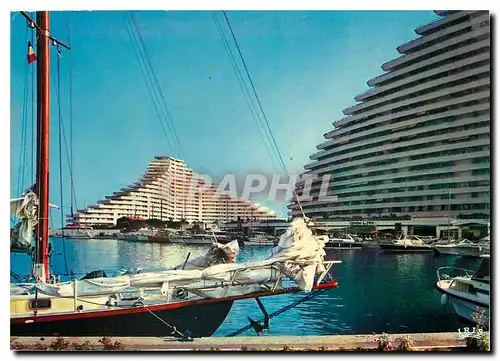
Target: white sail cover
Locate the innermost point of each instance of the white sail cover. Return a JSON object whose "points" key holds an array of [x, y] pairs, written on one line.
{"points": [[301, 253], [88, 287], [218, 253], [25, 209], [21, 288]]}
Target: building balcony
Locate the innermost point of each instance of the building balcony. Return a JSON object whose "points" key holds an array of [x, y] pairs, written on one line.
{"points": [[416, 112], [412, 85], [444, 32], [442, 22], [426, 53], [406, 130], [400, 150], [350, 137]]}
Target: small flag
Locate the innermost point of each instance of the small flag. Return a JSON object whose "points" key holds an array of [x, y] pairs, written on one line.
{"points": [[31, 53]]}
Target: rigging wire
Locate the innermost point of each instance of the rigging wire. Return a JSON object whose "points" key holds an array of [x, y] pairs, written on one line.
{"points": [[167, 116], [23, 141], [21, 169], [72, 197], [246, 93], [147, 79], [33, 135], [69, 152], [282, 164], [58, 94], [280, 156]]}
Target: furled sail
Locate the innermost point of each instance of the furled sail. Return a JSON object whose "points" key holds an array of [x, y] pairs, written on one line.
{"points": [[89, 287], [217, 254], [298, 255], [25, 209], [301, 253]]}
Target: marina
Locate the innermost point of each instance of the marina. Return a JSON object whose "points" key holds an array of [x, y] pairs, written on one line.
{"points": [[410, 300], [385, 232]]}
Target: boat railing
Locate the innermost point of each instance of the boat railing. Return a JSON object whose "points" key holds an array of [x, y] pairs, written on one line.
{"points": [[441, 275], [168, 287], [328, 265]]}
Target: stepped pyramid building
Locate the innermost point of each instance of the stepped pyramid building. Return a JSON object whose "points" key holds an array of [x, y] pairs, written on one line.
{"points": [[169, 190], [417, 143]]}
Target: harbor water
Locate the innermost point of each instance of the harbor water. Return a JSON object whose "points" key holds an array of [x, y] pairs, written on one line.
{"points": [[378, 292]]}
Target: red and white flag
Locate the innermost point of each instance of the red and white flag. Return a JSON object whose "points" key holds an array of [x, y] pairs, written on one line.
{"points": [[31, 53]]}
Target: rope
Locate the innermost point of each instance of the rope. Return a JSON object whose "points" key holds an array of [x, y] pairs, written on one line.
{"points": [[147, 79], [73, 196], [280, 156], [118, 306], [22, 148], [245, 91], [280, 311], [58, 93], [155, 86], [168, 117], [33, 134], [164, 322]]}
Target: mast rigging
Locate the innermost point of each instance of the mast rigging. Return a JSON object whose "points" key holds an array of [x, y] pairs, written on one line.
{"points": [[42, 24]]}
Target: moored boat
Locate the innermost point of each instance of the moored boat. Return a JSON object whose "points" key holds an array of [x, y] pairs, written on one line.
{"points": [[343, 242], [410, 243], [158, 238], [468, 291], [192, 298], [259, 239], [463, 247]]}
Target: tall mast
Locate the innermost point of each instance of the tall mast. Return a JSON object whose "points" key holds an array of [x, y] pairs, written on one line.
{"points": [[43, 131], [41, 267]]}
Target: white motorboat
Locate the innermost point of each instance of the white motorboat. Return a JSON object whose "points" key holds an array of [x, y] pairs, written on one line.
{"points": [[463, 247], [259, 239], [203, 239], [410, 243], [344, 241], [485, 244], [467, 291], [141, 235]]}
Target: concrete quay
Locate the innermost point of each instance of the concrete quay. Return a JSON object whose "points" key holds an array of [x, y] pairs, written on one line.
{"points": [[419, 341]]}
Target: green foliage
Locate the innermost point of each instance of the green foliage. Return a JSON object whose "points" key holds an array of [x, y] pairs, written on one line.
{"points": [[480, 341]]}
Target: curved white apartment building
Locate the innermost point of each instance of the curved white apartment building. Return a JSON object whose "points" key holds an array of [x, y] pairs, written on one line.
{"points": [[420, 134], [169, 189]]}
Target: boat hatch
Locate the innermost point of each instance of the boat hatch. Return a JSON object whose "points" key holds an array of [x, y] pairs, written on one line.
{"points": [[462, 287], [40, 303], [483, 273]]}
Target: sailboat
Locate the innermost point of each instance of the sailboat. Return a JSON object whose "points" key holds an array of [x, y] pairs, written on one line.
{"points": [[191, 299]]}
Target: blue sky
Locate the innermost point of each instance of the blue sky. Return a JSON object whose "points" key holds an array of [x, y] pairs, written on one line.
{"points": [[307, 66]]}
